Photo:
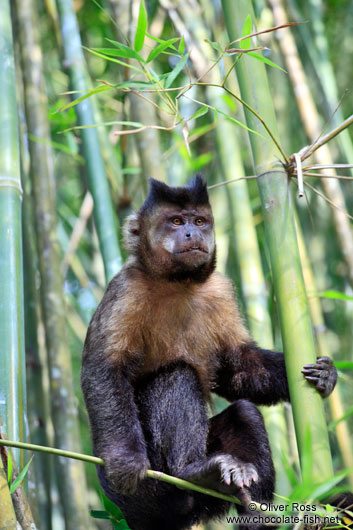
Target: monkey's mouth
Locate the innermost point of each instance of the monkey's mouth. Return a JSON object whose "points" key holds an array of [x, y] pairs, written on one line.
{"points": [[192, 249]]}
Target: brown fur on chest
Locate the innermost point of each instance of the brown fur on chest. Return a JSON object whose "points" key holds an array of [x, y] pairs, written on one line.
{"points": [[154, 323]]}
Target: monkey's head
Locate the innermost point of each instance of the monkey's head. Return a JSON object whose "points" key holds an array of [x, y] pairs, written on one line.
{"points": [[172, 235]]}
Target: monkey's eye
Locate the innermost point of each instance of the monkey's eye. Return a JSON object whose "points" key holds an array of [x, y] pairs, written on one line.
{"points": [[177, 221], [199, 221]]}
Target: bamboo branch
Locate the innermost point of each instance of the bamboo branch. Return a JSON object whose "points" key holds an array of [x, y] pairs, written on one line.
{"points": [[150, 473]]}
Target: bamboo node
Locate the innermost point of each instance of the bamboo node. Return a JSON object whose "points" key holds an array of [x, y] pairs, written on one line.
{"points": [[10, 182]]}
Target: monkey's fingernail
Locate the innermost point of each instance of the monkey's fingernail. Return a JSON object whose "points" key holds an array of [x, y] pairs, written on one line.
{"points": [[309, 366], [306, 371], [311, 379]]}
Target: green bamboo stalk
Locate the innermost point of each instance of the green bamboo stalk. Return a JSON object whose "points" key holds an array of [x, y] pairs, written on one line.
{"points": [[252, 283], [317, 317], [104, 216], [150, 473], [64, 410], [12, 354], [281, 239], [39, 487]]}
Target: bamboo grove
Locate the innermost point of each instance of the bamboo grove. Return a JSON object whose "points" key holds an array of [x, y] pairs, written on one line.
{"points": [[99, 95]]}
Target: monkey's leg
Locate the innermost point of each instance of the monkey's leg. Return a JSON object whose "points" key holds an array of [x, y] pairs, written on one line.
{"points": [[174, 420], [240, 431]]}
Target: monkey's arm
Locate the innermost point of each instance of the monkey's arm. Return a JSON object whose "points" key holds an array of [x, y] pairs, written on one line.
{"points": [[116, 431], [250, 372]]}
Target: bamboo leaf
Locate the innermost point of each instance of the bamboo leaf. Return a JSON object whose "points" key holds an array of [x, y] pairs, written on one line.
{"points": [[111, 59], [246, 43], [161, 48], [112, 508], [99, 514], [215, 45], [104, 124], [346, 415], [88, 94], [181, 47], [265, 60], [335, 295], [9, 468], [344, 365], [176, 70], [200, 112], [141, 27], [112, 52], [20, 477]]}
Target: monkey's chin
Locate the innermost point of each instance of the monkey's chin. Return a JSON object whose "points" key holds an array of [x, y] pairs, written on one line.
{"points": [[192, 258]]}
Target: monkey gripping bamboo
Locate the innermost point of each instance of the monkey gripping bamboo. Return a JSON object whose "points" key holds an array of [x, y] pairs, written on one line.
{"points": [[281, 240]]}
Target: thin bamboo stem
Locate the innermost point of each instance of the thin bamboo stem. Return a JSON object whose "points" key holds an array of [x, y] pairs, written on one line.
{"points": [[281, 239], [104, 216], [158, 475], [12, 353]]}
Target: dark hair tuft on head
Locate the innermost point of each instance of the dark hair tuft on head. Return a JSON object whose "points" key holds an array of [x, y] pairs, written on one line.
{"points": [[195, 193]]}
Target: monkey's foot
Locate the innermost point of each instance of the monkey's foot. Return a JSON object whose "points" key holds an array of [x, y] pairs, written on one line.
{"points": [[224, 473]]}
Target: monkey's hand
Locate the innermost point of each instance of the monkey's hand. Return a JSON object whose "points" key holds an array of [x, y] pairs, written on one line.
{"points": [[322, 374], [125, 470]]}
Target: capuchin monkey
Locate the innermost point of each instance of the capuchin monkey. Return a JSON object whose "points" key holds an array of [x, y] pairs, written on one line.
{"points": [[166, 334]]}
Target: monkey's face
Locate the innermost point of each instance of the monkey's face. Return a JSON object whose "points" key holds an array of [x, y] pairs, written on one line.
{"points": [[184, 237]]}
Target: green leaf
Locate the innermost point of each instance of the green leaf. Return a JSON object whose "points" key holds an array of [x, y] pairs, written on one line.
{"points": [[246, 43], [265, 60], [176, 70], [112, 508], [111, 59], [96, 90], [200, 112], [132, 53], [99, 514], [344, 365], [20, 477], [161, 48], [121, 525], [112, 52], [335, 295], [346, 415], [181, 47], [215, 45], [141, 27], [9, 468], [104, 124]]}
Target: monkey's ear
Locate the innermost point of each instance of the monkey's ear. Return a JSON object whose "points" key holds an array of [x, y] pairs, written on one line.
{"points": [[131, 233]]}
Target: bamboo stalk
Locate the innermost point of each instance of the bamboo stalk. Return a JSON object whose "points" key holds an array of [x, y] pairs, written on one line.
{"points": [[12, 353], [104, 216], [150, 473], [335, 401], [311, 122], [281, 239], [147, 141], [64, 410], [39, 482]]}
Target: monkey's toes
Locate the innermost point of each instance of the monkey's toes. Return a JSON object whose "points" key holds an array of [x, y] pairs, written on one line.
{"points": [[240, 474]]}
